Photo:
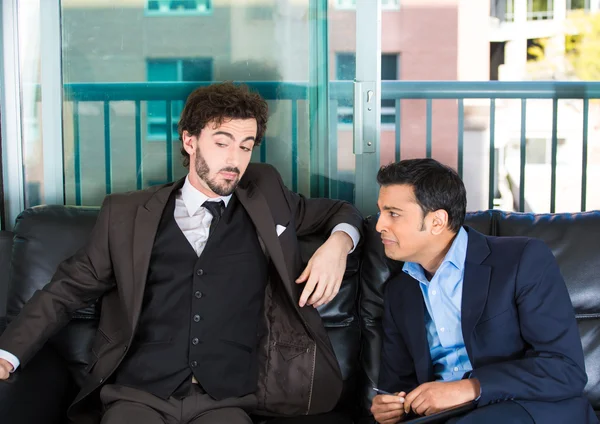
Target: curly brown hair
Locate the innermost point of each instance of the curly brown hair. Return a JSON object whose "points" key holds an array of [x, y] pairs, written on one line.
{"points": [[218, 103]]}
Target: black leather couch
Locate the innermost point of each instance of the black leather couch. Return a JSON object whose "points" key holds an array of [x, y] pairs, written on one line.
{"points": [[43, 236]]}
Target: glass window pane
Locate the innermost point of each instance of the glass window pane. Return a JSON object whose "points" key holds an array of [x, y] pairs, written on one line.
{"points": [[156, 50], [31, 126]]}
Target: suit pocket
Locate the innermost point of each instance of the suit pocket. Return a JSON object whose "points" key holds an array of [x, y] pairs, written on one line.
{"points": [[496, 317], [501, 326], [99, 345]]}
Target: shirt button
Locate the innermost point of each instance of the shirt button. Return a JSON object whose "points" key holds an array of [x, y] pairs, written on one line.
{"points": [[455, 369], [442, 329], [195, 341], [196, 318], [433, 292], [199, 272], [198, 294], [193, 364]]}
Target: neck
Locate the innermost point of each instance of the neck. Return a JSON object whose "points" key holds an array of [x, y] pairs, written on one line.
{"points": [[200, 185], [437, 254]]}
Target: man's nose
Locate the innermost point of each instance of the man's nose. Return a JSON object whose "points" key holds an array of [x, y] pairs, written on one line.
{"points": [[380, 223]]}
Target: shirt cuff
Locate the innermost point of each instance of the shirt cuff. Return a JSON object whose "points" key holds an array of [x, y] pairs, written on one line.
{"points": [[14, 361], [351, 231], [468, 375]]}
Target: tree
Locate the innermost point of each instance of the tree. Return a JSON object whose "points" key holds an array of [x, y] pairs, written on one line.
{"points": [[583, 48], [581, 59]]}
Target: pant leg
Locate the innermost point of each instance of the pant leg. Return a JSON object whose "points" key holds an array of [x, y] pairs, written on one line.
{"points": [[121, 404], [200, 408], [124, 412], [223, 416], [498, 413], [328, 418]]}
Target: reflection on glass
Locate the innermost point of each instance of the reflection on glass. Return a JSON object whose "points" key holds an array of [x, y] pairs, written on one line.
{"points": [[127, 69], [29, 36]]}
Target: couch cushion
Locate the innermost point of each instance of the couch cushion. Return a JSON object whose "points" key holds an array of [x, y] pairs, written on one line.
{"points": [[44, 237], [6, 241], [574, 240]]}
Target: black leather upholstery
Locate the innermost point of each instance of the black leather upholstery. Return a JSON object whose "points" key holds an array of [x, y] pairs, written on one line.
{"points": [[6, 239], [44, 236]]}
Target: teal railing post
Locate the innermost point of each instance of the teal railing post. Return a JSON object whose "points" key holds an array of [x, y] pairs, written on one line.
{"points": [[318, 96]]}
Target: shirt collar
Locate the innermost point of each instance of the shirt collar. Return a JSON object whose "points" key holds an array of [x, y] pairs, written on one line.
{"points": [[193, 199], [456, 256]]}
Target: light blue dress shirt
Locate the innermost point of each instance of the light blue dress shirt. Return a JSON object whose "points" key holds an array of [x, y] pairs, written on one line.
{"points": [[443, 297]]}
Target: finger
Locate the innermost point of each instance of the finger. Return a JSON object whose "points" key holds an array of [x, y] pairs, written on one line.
{"points": [[388, 414], [389, 417], [334, 292], [420, 404], [321, 283], [430, 411], [390, 399], [329, 288], [305, 273], [409, 398], [308, 289]]}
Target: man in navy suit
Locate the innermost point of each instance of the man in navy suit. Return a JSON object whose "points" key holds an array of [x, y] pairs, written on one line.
{"points": [[471, 317]]}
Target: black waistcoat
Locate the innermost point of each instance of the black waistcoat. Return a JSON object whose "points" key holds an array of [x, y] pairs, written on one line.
{"points": [[200, 315]]}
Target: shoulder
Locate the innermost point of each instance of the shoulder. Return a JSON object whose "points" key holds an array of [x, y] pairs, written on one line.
{"points": [[136, 197], [520, 247], [260, 173]]}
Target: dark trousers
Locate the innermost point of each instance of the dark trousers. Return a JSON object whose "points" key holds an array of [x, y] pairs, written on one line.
{"points": [[126, 405], [498, 413]]}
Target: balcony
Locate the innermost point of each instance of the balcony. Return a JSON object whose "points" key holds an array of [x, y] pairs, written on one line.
{"points": [[526, 146]]}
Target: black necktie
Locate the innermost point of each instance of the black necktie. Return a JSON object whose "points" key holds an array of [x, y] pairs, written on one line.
{"points": [[216, 210]]}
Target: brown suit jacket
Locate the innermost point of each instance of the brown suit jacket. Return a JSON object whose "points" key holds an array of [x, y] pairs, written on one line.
{"points": [[299, 373]]}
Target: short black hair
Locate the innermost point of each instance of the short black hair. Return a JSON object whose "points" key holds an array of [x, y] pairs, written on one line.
{"points": [[436, 186]]}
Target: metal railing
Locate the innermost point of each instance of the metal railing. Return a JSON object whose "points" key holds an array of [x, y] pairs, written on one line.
{"points": [[429, 91]]}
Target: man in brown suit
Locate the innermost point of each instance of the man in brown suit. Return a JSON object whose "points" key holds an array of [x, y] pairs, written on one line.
{"points": [[198, 329]]}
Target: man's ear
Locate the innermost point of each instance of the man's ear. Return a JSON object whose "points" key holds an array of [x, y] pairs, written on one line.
{"points": [[439, 221], [189, 142]]}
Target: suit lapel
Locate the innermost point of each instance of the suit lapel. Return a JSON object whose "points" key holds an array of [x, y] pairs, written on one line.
{"points": [[476, 282], [414, 307], [257, 207], [145, 227]]}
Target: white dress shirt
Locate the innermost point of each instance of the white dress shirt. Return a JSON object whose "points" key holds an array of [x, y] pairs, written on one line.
{"points": [[194, 222]]}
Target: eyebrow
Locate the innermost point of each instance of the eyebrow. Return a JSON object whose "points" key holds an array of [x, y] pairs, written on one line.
{"points": [[229, 135], [391, 208]]}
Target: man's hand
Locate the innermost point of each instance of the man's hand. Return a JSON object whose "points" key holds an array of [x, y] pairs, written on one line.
{"points": [[324, 272], [388, 409], [433, 397], [5, 369]]}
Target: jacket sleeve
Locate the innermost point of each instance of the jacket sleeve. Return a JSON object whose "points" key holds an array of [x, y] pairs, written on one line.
{"points": [[553, 367], [397, 370], [77, 283], [320, 215]]}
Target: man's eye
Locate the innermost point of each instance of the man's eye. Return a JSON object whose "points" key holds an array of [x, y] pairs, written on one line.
{"points": [[394, 214], [246, 149], [221, 144]]}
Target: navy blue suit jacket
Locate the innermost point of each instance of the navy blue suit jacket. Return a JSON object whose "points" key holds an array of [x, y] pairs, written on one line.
{"points": [[518, 326]]}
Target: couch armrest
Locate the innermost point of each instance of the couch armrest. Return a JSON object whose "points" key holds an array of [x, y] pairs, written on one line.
{"points": [[37, 393]]}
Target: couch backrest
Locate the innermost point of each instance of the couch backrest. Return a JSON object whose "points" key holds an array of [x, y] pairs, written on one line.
{"points": [[46, 235], [574, 240]]}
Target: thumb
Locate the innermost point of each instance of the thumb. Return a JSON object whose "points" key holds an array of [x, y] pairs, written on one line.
{"points": [[305, 274]]}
